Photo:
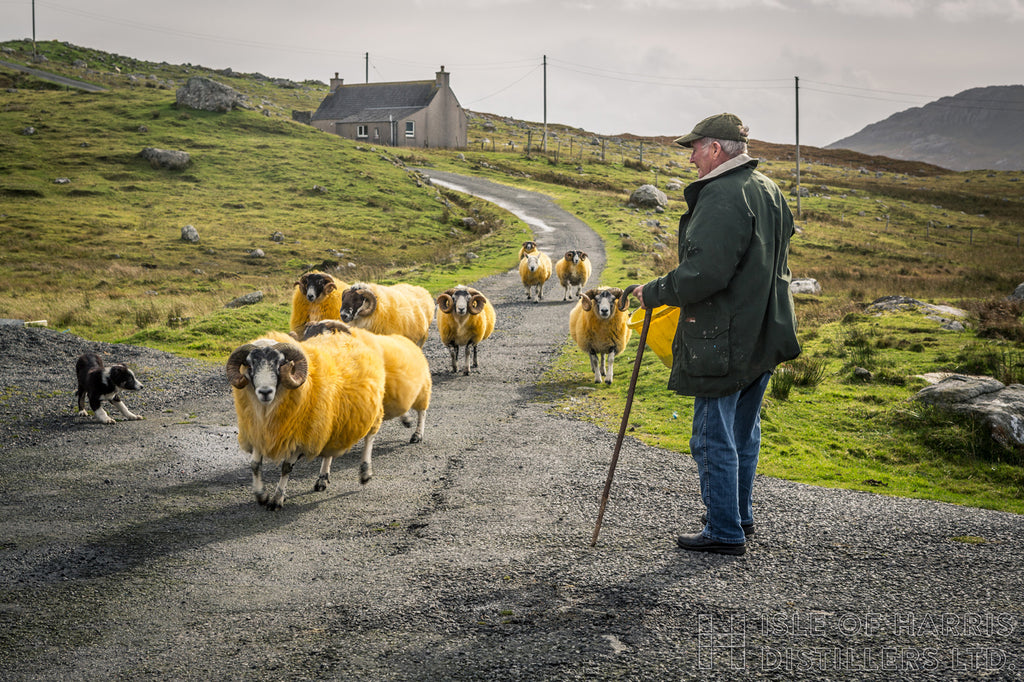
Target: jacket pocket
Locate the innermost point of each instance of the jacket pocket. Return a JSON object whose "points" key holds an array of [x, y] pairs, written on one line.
{"points": [[704, 348]]}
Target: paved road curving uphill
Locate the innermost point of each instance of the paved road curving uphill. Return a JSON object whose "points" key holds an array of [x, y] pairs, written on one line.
{"points": [[136, 551]]}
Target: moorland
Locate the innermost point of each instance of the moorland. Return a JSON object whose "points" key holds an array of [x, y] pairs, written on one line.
{"points": [[91, 243]]}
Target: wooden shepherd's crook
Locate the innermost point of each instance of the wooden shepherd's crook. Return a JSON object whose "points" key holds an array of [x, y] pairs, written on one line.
{"points": [[625, 416]]}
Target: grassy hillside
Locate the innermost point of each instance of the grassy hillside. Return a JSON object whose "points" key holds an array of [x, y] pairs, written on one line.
{"points": [[92, 233], [101, 254]]}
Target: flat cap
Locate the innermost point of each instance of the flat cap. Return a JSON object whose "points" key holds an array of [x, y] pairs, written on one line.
{"points": [[718, 127]]}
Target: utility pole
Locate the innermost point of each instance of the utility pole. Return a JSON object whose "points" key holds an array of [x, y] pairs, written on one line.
{"points": [[545, 145], [367, 67], [796, 80], [34, 52]]}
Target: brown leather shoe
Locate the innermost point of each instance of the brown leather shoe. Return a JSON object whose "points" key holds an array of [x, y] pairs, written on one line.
{"points": [[698, 542]]}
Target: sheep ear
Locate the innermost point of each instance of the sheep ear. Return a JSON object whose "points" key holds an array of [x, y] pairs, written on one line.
{"points": [[445, 302], [369, 303], [476, 304], [233, 366]]}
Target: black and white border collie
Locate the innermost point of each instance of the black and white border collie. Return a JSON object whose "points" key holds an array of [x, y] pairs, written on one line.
{"points": [[100, 383]]}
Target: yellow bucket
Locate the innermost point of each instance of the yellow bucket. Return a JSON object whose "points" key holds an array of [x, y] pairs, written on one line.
{"points": [[664, 320]]}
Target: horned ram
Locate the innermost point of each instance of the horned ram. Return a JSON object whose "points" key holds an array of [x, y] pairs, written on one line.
{"points": [[316, 398], [316, 297], [465, 318], [599, 325], [573, 270], [401, 308]]}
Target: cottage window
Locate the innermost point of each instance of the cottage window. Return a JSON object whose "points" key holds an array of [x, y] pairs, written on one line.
{"points": [[410, 128], [361, 131]]}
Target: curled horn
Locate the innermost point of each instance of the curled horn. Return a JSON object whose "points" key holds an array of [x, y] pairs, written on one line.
{"points": [[445, 301], [583, 255], [234, 366], [293, 372], [624, 295], [322, 327], [369, 303], [587, 299], [477, 301], [568, 255]]}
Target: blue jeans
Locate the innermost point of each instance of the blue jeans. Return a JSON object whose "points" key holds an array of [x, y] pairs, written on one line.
{"points": [[725, 443]]}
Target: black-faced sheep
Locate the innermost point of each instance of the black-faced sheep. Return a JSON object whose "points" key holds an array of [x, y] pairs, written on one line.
{"points": [[317, 398], [407, 379], [573, 270], [599, 326], [527, 248], [317, 296], [465, 318], [534, 270], [403, 309]]}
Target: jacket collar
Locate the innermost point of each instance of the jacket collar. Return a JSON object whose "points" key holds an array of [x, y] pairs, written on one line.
{"points": [[731, 164]]}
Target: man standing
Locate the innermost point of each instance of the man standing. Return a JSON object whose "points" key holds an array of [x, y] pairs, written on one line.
{"points": [[736, 321]]}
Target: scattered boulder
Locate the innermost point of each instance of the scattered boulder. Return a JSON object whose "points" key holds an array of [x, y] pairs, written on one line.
{"points": [[1018, 293], [209, 95], [999, 407], [256, 253], [647, 196], [190, 234], [940, 313], [247, 299], [168, 159], [805, 286]]}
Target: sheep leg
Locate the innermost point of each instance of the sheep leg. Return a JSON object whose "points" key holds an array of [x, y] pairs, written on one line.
{"points": [[277, 499], [453, 351], [609, 367], [465, 361], [595, 367], [540, 292], [474, 356], [421, 422], [529, 291], [366, 466], [325, 474], [257, 478]]}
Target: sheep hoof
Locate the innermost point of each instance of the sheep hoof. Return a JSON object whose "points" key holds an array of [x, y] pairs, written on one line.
{"points": [[321, 483], [276, 503], [416, 438], [365, 473], [262, 498], [465, 372]]}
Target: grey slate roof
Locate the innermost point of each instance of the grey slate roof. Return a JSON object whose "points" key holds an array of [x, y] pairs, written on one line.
{"points": [[373, 102]]}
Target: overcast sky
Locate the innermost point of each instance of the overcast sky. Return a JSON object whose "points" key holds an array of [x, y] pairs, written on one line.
{"points": [[649, 67]]}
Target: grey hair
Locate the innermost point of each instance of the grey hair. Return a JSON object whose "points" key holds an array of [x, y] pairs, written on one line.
{"points": [[732, 148]]}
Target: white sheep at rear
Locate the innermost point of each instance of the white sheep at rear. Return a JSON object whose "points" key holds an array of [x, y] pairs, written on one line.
{"points": [[465, 318], [599, 325], [534, 270], [404, 309], [316, 398]]}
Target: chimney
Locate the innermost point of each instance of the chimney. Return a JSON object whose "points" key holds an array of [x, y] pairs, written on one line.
{"points": [[442, 79], [336, 82]]}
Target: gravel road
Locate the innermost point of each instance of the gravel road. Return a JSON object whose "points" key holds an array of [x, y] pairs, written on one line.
{"points": [[135, 551]]}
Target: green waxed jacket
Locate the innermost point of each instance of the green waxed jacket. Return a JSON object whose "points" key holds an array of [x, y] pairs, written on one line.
{"points": [[732, 284]]}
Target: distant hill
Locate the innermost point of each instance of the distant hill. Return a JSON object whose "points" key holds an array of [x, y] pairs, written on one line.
{"points": [[977, 129]]}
